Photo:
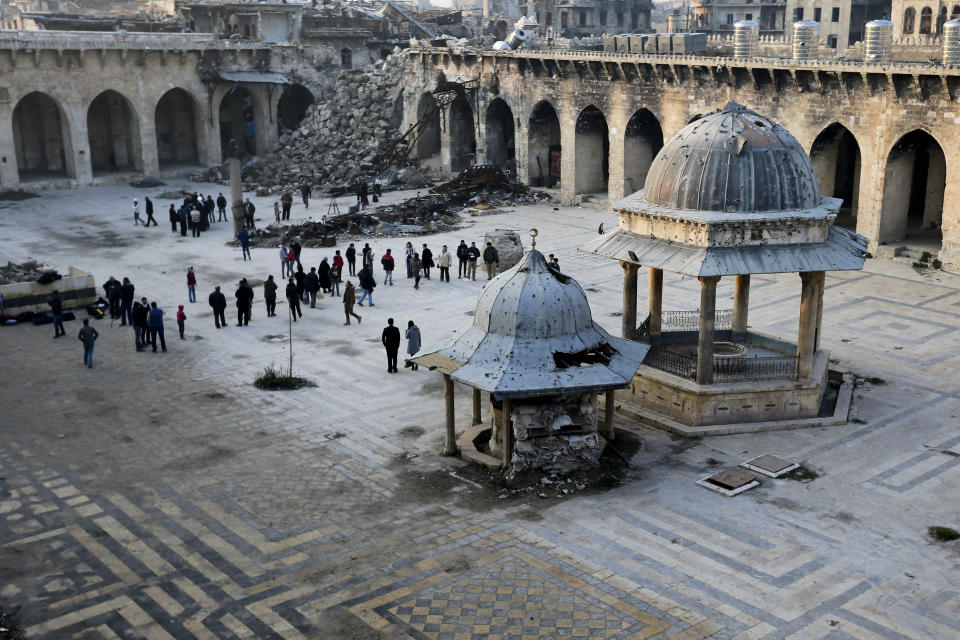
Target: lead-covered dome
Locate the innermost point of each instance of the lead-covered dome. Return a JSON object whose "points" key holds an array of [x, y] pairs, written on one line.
{"points": [[734, 161]]}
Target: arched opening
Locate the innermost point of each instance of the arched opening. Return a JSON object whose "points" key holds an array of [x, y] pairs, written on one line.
{"points": [[955, 12], [346, 58], [926, 20], [501, 149], [643, 138], [176, 127], [463, 141], [835, 156], [941, 18], [41, 138], [592, 152], [543, 145], [291, 108], [113, 134], [428, 115], [913, 184], [909, 18], [238, 122]]}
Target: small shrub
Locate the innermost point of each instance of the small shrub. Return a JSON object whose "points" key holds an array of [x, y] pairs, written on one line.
{"points": [[943, 534], [801, 474], [936, 264], [925, 256], [868, 255], [920, 265], [272, 378]]}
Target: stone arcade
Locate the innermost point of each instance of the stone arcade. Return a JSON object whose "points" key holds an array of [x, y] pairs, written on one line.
{"points": [[731, 194]]}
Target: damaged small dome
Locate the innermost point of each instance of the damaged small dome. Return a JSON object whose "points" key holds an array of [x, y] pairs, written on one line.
{"points": [[735, 161]]}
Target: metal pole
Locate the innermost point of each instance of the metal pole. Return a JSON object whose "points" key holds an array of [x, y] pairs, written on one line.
{"points": [[506, 452], [450, 442]]}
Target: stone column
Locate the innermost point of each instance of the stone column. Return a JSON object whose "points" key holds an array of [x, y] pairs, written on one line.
{"points": [[655, 302], [806, 338], [708, 312], [629, 319], [816, 333], [477, 418], [608, 409], [506, 444], [236, 188], [450, 442], [149, 164], [9, 172], [741, 304]]}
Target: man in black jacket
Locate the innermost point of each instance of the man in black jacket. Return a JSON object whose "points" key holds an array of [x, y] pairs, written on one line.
{"points": [[218, 302], [221, 208], [426, 261], [111, 288], [126, 302], [244, 297], [293, 299], [462, 251], [391, 342], [367, 283], [140, 328], [56, 310], [472, 255], [491, 258], [351, 254]]}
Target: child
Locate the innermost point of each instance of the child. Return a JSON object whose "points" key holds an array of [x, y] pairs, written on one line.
{"points": [[276, 211], [181, 318]]}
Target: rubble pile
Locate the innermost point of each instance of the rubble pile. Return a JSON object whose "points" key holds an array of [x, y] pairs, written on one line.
{"points": [[30, 271], [340, 138], [557, 436]]}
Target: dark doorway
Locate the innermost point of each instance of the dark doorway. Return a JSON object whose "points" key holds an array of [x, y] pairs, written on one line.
{"points": [[41, 137], [291, 108], [176, 126], [238, 122], [501, 149], [643, 139], [543, 146], [592, 152], [113, 134]]}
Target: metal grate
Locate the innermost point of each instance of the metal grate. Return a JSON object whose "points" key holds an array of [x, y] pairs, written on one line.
{"points": [[690, 320], [737, 369]]}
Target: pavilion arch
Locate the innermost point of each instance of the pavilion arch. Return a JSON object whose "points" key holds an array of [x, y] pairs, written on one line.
{"points": [[114, 134], [909, 21], [543, 145], [835, 155], [926, 21], [41, 137], [591, 152], [955, 12], [428, 114], [176, 126], [913, 184], [463, 140], [293, 105], [238, 121], [501, 136], [643, 138], [941, 18]]}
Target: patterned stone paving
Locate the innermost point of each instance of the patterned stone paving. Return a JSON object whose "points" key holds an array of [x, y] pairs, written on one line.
{"points": [[162, 496]]}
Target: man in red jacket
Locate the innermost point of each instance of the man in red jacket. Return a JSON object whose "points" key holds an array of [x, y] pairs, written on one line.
{"points": [[388, 264]]}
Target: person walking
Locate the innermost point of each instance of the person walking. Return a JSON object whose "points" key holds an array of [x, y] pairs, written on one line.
{"points": [[417, 267], [462, 259], [148, 207], [336, 277], [413, 343], [351, 254], [181, 320], [210, 206], [183, 217], [387, 262], [56, 310], [141, 328], [111, 288], [218, 302], [293, 299], [312, 284], [305, 190], [349, 298], [244, 296], [155, 321], [338, 260], [301, 279], [490, 258], [221, 208], [174, 218], [283, 262], [444, 260], [136, 213], [391, 342], [195, 221], [126, 301], [248, 210], [191, 285], [472, 255], [270, 296], [297, 248], [276, 211], [244, 237], [291, 260], [362, 192], [286, 202], [367, 258], [367, 284], [323, 274], [409, 252], [88, 335], [426, 261]]}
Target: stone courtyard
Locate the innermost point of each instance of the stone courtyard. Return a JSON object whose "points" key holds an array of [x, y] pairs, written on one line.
{"points": [[163, 496]]}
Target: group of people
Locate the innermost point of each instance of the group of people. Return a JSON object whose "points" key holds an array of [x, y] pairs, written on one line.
{"points": [[195, 213]]}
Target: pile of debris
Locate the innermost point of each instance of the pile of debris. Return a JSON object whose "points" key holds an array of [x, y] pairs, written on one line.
{"points": [[29, 271], [339, 139], [558, 435]]}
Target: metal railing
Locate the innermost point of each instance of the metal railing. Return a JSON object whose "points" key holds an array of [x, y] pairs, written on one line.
{"points": [[690, 320], [725, 368]]}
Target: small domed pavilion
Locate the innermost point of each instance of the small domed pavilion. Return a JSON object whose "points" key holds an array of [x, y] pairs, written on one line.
{"points": [[534, 348], [730, 195]]}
